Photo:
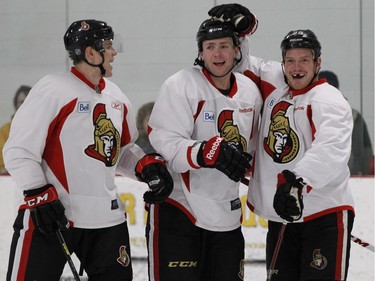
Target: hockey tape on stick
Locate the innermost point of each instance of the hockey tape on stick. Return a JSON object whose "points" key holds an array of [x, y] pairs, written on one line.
{"points": [[67, 254], [362, 243]]}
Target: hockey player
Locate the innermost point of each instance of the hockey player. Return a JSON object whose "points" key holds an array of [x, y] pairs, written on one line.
{"points": [[301, 173], [74, 132], [204, 123]]}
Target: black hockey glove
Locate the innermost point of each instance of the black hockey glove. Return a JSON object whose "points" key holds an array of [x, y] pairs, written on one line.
{"points": [[47, 211], [244, 21], [152, 169], [224, 156], [287, 201]]}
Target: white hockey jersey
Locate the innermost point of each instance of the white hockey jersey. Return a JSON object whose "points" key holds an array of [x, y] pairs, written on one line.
{"points": [[191, 109], [75, 137], [307, 132]]}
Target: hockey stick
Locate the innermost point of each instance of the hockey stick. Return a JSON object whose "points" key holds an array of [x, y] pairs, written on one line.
{"points": [[362, 243], [276, 251], [245, 181], [67, 254]]}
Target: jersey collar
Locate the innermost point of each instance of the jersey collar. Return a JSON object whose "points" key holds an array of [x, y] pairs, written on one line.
{"points": [[233, 89], [305, 90], [97, 88]]}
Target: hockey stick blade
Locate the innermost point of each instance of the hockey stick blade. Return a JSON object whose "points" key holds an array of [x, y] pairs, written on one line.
{"points": [[362, 243], [67, 254]]}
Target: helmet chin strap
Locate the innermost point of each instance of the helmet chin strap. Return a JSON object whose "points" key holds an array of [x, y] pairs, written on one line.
{"points": [[200, 62], [102, 70]]}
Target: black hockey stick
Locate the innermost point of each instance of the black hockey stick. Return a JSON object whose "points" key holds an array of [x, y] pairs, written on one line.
{"points": [[245, 181], [67, 254]]}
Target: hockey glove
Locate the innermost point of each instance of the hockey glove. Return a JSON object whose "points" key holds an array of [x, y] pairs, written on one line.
{"points": [[244, 21], [224, 156], [152, 169], [47, 211], [288, 201]]}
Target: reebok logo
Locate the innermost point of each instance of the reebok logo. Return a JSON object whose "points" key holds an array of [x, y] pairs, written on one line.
{"points": [[213, 149], [246, 110]]}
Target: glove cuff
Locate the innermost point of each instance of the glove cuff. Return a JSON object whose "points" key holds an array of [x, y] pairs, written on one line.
{"points": [[253, 25], [287, 176], [152, 158], [40, 196], [209, 152], [33, 192]]}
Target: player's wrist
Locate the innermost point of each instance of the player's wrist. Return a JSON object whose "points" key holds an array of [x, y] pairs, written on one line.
{"points": [[40, 196]]}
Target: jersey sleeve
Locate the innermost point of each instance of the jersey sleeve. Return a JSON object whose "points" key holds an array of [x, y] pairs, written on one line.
{"points": [[267, 75], [24, 149], [172, 124], [331, 124], [130, 152]]}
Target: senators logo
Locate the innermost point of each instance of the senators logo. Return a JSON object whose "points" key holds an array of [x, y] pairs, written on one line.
{"points": [[319, 261], [282, 143], [124, 258], [106, 145], [241, 274], [229, 131]]}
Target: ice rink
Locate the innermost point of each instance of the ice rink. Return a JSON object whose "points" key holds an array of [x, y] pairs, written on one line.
{"points": [[361, 263]]}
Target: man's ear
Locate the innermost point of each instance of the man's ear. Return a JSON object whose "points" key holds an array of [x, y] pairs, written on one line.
{"points": [[89, 53], [318, 64]]}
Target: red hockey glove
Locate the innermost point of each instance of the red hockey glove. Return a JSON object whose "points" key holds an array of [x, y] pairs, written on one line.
{"points": [[244, 21], [47, 212], [152, 169], [288, 201], [224, 156]]}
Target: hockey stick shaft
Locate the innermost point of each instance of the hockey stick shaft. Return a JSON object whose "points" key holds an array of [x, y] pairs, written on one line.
{"points": [[362, 243], [67, 254], [245, 181], [276, 251]]}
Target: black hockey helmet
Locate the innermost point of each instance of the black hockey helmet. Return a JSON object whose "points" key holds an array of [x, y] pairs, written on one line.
{"points": [[214, 29], [84, 33], [301, 39]]}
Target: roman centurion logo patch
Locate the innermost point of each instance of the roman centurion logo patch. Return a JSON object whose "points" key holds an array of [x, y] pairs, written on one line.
{"points": [[282, 142], [319, 261], [124, 258]]}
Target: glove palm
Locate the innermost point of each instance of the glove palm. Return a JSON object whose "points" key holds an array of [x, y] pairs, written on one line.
{"points": [[244, 21]]}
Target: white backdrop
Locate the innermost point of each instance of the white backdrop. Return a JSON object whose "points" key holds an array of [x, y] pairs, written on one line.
{"points": [[254, 227], [159, 39]]}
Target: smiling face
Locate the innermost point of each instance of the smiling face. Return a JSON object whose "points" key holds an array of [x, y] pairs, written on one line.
{"points": [[219, 55], [300, 67]]}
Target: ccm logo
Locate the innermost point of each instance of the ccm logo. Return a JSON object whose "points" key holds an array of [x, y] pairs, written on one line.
{"points": [[35, 201], [213, 149], [182, 264]]}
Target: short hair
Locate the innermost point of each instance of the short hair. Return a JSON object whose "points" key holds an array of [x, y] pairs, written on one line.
{"points": [[22, 89], [331, 77], [143, 111]]}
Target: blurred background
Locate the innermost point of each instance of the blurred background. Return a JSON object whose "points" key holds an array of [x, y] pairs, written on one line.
{"points": [[159, 39]]}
